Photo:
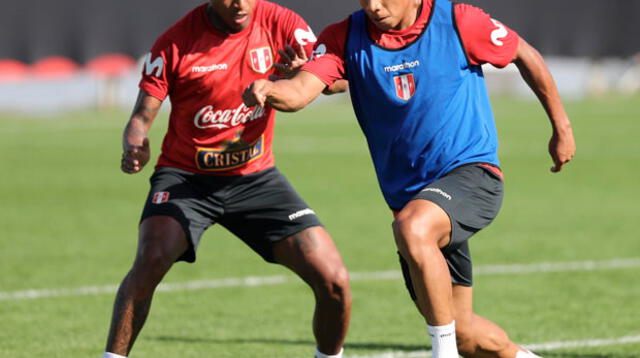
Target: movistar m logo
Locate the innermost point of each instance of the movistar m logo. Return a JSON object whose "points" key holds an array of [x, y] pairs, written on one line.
{"points": [[499, 33], [153, 66]]}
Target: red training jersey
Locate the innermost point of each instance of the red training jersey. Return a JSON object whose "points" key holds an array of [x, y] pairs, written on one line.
{"points": [[204, 72], [484, 39]]}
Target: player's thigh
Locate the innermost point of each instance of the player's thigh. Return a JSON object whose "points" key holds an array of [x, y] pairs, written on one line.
{"points": [[470, 195], [176, 213], [161, 238], [264, 209], [421, 222], [312, 254]]}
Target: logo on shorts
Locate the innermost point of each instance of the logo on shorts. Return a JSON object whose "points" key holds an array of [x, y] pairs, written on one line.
{"points": [[301, 213], [160, 197], [438, 191]]}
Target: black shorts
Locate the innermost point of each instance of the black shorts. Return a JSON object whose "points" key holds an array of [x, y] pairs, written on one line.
{"points": [[259, 208], [471, 195]]}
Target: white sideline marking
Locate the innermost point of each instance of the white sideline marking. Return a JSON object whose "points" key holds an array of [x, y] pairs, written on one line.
{"points": [[544, 267], [549, 346]]}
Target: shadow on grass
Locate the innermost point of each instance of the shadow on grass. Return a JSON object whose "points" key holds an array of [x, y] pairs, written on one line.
{"points": [[349, 346], [355, 346], [584, 355]]}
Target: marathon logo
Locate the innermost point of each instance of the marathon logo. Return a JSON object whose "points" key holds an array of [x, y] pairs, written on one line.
{"points": [[212, 68], [403, 66], [301, 213], [211, 159], [438, 191]]}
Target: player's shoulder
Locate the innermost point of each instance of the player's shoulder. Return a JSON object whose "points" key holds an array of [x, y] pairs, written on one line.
{"points": [[468, 11], [337, 28], [270, 11], [185, 28]]}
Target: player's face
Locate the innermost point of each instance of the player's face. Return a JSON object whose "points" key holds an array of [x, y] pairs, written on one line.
{"points": [[232, 15], [391, 14]]}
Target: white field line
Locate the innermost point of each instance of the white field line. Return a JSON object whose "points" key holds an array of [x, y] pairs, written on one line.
{"points": [[549, 346], [355, 276]]}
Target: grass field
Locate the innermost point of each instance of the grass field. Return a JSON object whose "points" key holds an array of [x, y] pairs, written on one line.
{"points": [[68, 233]]}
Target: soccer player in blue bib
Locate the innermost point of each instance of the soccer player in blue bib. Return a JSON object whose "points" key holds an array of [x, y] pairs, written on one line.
{"points": [[418, 92]]}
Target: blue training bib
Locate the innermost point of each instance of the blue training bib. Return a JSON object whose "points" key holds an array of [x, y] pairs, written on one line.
{"points": [[423, 108]]}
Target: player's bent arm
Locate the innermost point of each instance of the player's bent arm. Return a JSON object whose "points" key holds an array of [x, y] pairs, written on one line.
{"points": [[144, 113], [284, 95], [135, 140], [536, 73], [339, 86]]}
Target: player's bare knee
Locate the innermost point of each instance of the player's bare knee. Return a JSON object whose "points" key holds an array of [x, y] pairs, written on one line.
{"points": [[150, 265], [414, 231], [335, 285], [415, 241]]}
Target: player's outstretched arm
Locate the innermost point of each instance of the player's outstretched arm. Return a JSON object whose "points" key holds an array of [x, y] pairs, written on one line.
{"points": [[285, 95], [339, 86], [135, 141], [535, 72]]}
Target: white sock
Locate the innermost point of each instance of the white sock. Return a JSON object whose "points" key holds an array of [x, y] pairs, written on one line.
{"points": [[526, 354], [112, 355], [443, 341], [322, 355]]}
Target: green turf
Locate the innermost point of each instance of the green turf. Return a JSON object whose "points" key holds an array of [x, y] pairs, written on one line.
{"points": [[68, 219]]}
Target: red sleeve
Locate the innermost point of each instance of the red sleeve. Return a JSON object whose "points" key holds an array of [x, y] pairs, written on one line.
{"points": [[327, 62], [290, 28], [301, 34], [157, 72], [485, 40]]}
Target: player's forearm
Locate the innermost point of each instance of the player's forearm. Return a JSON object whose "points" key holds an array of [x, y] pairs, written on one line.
{"points": [[289, 96], [536, 74], [284, 95], [339, 86], [144, 113], [135, 132]]}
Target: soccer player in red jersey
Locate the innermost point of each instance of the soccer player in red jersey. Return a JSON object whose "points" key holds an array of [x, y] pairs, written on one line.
{"points": [[418, 92], [217, 164]]}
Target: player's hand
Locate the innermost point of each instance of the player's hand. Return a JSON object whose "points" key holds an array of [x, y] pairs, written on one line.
{"points": [[256, 93], [134, 158], [292, 61], [562, 148]]}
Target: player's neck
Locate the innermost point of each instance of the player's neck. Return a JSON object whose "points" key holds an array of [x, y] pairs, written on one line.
{"points": [[412, 18]]}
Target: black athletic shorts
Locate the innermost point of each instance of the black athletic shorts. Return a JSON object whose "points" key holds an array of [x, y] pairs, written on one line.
{"points": [[259, 208], [471, 195]]}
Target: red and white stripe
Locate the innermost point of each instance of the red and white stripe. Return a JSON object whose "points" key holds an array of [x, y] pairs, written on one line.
{"points": [[261, 59], [160, 197], [405, 86]]}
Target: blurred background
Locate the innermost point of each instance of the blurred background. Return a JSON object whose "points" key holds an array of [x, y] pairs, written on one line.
{"points": [[558, 269], [72, 54]]}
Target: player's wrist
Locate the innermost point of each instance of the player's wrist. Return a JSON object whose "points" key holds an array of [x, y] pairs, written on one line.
{"points": [[562, 128]]}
